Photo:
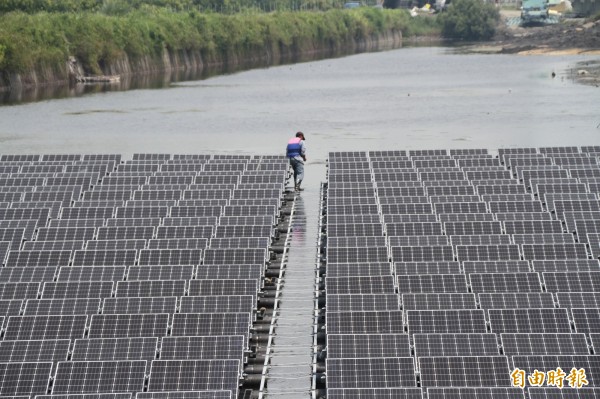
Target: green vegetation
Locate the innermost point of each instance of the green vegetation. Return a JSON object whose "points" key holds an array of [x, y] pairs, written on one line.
{"points": [[46, 40], [116, 7], [469, 20]]}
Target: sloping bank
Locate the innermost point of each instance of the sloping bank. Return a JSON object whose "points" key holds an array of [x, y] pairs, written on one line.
{"points": [[36, 49]]}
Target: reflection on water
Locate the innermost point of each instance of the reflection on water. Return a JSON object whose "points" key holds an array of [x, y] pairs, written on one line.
{"points": [[161, 80]]}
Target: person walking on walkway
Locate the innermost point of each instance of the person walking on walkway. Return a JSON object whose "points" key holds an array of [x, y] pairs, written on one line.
{"points": [[296, 152]]}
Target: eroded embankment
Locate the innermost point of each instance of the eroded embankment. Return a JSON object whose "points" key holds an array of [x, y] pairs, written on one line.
{"points": [[48, 49]]}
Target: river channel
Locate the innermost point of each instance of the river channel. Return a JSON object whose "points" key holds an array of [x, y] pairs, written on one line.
{"points": [[412, 98]]}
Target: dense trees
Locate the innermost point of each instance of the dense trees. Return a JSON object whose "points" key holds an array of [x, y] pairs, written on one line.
{"points": [[469, 20]]}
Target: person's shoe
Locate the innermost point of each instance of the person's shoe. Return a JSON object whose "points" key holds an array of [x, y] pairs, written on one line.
{"points": [[298, 188]]}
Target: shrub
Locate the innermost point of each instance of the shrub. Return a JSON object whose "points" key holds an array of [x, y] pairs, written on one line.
{"points": [[470, 20]]}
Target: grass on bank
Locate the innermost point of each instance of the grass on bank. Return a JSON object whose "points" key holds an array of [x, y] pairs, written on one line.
{"points": [[30, 41]]}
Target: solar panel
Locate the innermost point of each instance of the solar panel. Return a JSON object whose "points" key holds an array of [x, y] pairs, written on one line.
{"points": [[396, 209], [225, 304], [379, 322], [501, 189], [168, 375], [554, 251], [496, 266], [403, 218], [150, 288], [561, 207], [359, 285], [505, 282], [559, 265], [529, 320], [107, 349], [53, 245], [432, 283], [586, 320], [551, 238], [45, 327], [141, 212], [18, 290], [583, 281], [223, 287], [77, 222], [533, 226], [491, 239], [107, 245], [570, 300], [24, 378], [437, 301], [487, 252], [107, 376], [91, 273], [466, 217], [128, 325], [14, 236], [362, 302], [357, 255], [161, 272], [104, 257], [205, 348], [461, 207], [369, 373], [427, 268], [188, 324], [139, 305], [422, 254], [544, 344], [37, 258], [68, 306], [446, 321], [77, 289], [472, 228], [436, 345], [246, 256], [170, 232], [514, 300], [355, 269], [197, 221], [410, 229], [450, 189], [30, 274], [465, 371], [504, 216], [10, 307], [34, 351], [87, 213], [364, 241], [229, 272], [125, 232]]}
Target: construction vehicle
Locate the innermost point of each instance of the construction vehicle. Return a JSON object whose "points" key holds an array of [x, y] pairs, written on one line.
{"points": [[534, 12]]}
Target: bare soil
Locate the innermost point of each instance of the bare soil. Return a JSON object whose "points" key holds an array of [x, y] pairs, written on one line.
{"points": [[570, 36]]}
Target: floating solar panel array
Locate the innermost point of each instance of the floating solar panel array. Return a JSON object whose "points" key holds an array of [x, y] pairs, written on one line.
{"points": [[133, 279], [445, 272]]}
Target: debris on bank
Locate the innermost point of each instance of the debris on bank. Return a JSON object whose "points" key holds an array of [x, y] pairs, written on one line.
{"points": [[77, 75]]}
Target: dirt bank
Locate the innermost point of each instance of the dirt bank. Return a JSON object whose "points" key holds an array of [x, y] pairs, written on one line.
{"points": [[570, 36]]}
